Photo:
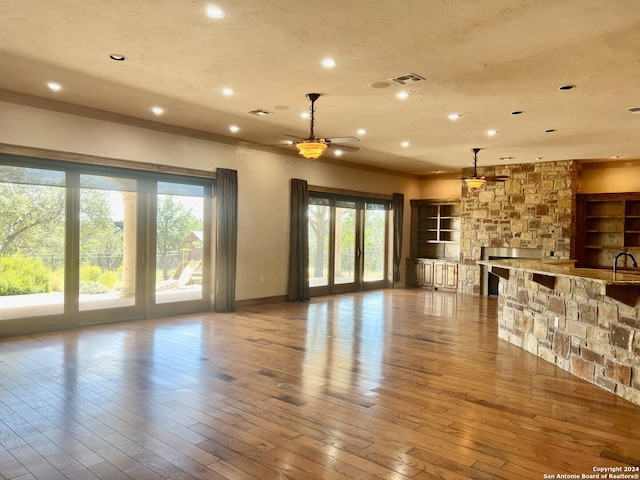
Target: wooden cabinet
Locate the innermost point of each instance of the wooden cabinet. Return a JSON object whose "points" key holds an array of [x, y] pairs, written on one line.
{"points": [[435, 244], [607, 224], [432, 273], [419, 272], [445, 275]]}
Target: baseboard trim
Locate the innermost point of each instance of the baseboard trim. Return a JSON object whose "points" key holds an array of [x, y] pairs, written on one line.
{"points": [[240, 304]]}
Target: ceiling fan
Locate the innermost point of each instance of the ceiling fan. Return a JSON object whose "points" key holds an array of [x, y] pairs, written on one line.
{"points": [[476, 181], [312, 147]]}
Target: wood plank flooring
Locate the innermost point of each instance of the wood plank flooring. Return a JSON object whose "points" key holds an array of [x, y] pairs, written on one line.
{"points": [[392, 384]]}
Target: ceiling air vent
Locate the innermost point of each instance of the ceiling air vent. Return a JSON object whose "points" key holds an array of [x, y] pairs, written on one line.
{"points": [[260, 112], [407, 78], [633, 110]]}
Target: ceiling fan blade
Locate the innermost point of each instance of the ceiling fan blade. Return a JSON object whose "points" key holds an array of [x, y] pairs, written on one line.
{"points": [[497, 178], [344, 148], [297, 137], [341, 139]]}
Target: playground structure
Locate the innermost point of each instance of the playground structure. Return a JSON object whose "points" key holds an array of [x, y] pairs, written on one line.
{"points": [[189, 269]]}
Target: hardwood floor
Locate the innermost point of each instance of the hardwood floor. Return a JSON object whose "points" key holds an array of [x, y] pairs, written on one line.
{"points": [[391, 384]]}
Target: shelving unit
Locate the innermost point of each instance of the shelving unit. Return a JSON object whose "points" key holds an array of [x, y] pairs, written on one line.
{"points": [[607, 224], [435, 244], [435, 229]]}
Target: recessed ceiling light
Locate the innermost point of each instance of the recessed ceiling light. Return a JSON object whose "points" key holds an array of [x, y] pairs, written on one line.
{"points": [[617, 157], [517, 112], [380, 85], [505, 158], [361, 131], [329, 62], [117, 57], [56, 87], [454, 116], [550, 130], [539, 158], [157, 110], [491, 133], [305, 114], [215, 12], [228, 91], [338, 153], [567, 87], [260, 112], [403, 94], [234, 128], [405, 144]]}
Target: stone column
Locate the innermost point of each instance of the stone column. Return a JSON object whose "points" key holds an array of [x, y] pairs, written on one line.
{"points": [[129, 200]]}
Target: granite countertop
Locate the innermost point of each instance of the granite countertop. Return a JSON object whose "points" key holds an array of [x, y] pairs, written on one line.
{"points": [[565, 268]]}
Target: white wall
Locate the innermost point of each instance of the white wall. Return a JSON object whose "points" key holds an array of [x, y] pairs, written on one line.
{"points": [[263, 179]]}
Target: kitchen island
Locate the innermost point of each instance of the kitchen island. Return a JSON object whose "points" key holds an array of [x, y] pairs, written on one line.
{"points": [[584, 320]]}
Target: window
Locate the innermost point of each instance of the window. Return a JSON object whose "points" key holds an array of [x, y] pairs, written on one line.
{"points": [[348, 243], [81, 244]]}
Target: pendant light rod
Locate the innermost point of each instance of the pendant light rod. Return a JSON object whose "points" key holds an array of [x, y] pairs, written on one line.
{"points": [[475, 161], [312, 97]]}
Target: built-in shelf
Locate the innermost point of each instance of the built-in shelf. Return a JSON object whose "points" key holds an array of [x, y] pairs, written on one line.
{"points": [[435, 244], [606, 225], [435, 229]]}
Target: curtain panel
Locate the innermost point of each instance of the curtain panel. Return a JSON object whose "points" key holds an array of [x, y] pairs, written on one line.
{"points": [[397, 204], [226, 240], [298, 285]]}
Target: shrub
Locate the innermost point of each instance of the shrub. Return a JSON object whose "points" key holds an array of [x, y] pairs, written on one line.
{"points": [[90, 273], [95, 274], [23, 275], [57, 280], [109, 279], [92, 287]]}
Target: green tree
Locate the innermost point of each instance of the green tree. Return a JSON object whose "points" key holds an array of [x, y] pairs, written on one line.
{"points": [[319, 224], [99, 233], [175, 221], [31, 218]]}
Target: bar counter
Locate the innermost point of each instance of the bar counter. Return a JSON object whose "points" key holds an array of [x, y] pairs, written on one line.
{"points": [[583, 320]]}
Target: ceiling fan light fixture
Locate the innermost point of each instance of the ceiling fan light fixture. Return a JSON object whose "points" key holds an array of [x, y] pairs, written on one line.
{"points": [[311, 150], [474, 182]]}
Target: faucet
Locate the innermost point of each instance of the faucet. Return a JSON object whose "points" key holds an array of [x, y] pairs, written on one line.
{"points": [[615, 262]]}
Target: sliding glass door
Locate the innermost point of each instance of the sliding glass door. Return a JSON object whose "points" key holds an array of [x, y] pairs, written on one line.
{"points": [[107, 243], [181, 263], [32, 242], [82, 245], [348, 248]]}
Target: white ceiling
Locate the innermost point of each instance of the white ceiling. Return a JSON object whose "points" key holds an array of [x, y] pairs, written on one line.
{"points": [[482, 59]]}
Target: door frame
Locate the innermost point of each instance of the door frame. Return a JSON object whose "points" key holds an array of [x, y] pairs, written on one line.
{"points": [[360, 201]]}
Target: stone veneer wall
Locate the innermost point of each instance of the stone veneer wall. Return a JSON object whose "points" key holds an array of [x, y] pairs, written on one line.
{"points": [[597, 338], [535, 208]]}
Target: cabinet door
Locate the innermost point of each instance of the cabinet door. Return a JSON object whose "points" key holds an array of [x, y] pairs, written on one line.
{"points": [[452, 276], [427, 279], [439, 274]]}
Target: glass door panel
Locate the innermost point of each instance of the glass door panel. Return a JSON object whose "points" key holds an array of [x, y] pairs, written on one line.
{"points": [[179, 242], [32, 242], [319, 216], [108, 235], [374, 244], [345, 246]]}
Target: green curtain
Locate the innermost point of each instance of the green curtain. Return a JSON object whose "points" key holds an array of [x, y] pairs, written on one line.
{"points": [[298, 288], [226, 240], [397, 204]]}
